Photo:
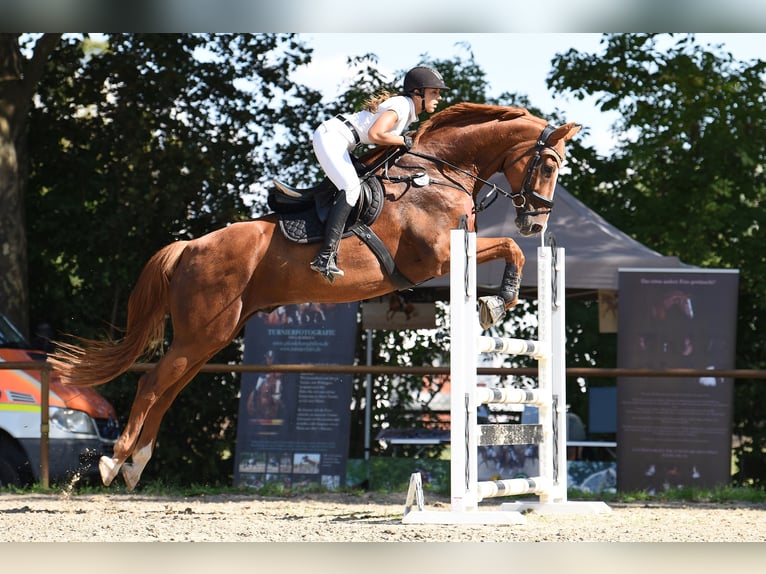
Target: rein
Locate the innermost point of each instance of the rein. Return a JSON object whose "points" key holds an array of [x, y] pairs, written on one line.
{"points": [[493, 193], [519, 199]]}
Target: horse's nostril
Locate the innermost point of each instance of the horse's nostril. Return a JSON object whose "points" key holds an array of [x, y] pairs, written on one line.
{"points": [[537, 228]]}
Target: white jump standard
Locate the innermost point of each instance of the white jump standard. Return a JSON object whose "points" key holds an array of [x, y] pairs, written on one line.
{"points": [[466, 492]]}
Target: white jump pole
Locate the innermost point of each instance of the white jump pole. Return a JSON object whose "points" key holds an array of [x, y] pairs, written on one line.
{"points": [[550, 397], [463, 361]]}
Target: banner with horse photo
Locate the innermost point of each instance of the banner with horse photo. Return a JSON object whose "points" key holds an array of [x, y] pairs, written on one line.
{"points": [[675, 432], [293, 428]]}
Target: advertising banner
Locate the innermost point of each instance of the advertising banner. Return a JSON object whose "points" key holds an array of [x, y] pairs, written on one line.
{"points": [[675, 432], [293, 428], [394, 312]]}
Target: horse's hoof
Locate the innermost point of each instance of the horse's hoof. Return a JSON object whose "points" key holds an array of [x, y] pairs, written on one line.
{"points": [[130, 475], [108, 469], [491, 310]]}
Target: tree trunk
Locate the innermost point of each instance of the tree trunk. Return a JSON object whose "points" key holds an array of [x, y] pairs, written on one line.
{"points": [[18, 81]]}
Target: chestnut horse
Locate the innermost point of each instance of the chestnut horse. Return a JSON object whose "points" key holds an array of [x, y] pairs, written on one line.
{"points": [[211, 285]]}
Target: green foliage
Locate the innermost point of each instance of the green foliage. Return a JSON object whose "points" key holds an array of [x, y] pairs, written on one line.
{"points": [[138, 141], [145, 140], [719, 495], [401, 401], [687, 177]]}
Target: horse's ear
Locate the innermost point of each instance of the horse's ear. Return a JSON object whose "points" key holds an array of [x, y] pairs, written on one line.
{"points": [[565, 132]]}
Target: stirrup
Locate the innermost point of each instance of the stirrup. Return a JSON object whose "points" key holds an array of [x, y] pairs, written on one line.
{"points": [[327, 266]]}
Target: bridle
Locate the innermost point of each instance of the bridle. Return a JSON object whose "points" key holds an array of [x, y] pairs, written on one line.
{"points": [[522, 199]]}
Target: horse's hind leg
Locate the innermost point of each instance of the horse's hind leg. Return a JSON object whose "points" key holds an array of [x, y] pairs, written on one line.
{"points": [[144, 444], [151, 386], [109, 467]]}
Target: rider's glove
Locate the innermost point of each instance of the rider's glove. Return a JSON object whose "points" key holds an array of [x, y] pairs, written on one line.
{"points": [[408, 142]]}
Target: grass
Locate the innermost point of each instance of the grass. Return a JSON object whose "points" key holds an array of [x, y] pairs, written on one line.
{"points": [[723, 494], [159, 488]]}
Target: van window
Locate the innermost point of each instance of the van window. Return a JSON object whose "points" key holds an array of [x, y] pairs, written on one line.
{"points": [[10, 336]]}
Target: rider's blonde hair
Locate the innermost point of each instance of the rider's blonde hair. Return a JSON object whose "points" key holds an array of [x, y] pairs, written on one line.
{"points": [[371, 104]]}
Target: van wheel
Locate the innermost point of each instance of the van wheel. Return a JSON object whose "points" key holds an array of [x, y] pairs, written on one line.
{"points": [[9, 473]]}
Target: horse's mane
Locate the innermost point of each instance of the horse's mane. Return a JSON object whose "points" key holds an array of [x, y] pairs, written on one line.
{"points": [[457, 115], [466, 113]]}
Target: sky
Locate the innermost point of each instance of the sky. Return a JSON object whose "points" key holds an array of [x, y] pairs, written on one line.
{"points": [[513, 62]]}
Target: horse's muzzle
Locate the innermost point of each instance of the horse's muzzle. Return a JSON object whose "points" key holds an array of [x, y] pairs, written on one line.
{"points": [[527, 226]]}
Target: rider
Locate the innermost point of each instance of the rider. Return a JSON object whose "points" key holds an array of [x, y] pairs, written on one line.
{"points": [[383, 122]]}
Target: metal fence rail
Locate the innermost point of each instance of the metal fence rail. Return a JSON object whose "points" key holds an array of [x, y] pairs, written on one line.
{"points": [[595, 372]]}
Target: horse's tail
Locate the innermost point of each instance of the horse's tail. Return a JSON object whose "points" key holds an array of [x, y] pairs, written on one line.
{"points": [[95, 362]]}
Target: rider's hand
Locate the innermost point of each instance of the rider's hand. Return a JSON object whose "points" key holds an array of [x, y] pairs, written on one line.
{"points": [[408, 142]]}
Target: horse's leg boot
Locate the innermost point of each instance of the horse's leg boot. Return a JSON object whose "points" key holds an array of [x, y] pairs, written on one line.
{"points": [[326, 260]]}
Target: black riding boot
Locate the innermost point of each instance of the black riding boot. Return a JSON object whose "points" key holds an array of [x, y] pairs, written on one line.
{"points": [[326, 262]]}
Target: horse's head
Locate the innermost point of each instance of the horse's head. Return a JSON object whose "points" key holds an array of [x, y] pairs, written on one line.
{"points": [[477, 140], [538, 166], [675, 300]]}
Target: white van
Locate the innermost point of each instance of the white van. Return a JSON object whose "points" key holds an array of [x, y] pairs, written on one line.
{"points": [[82, 427]]}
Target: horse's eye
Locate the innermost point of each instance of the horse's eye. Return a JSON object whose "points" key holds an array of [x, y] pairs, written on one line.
{"points": [[547, 171]]}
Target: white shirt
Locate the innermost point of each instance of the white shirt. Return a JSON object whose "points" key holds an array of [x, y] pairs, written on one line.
{"points": [[403, 106]]}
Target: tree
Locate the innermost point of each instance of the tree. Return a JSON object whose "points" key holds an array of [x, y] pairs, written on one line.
{"points": [[140, 140], [172, 134], [19, 77], [687, 177]]}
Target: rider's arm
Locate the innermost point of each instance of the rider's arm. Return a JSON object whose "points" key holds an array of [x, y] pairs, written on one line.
{"points": [[380, 131]]}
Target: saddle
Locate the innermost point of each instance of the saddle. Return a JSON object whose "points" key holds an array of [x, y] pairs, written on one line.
{"points": [[303, 212]]}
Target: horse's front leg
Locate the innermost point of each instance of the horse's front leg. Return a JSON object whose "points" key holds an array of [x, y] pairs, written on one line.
{"points": [[492, 308]]}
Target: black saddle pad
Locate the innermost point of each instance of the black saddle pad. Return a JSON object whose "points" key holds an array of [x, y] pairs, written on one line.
{"points": [[302, 226], [307, 225]]}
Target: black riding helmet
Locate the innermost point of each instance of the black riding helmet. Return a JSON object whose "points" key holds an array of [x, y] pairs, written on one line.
{"points": [[421, 77]]}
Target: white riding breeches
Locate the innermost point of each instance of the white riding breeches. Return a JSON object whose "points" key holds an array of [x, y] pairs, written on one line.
{"points": [[333, 143]]}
